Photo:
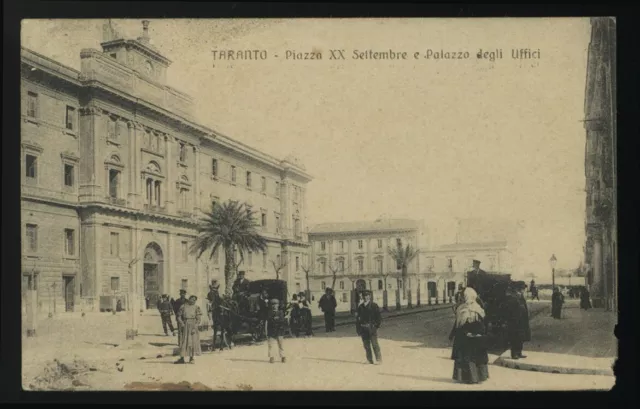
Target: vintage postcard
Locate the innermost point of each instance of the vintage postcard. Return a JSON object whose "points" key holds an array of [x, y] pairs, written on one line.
{"points": [[318, 204]]}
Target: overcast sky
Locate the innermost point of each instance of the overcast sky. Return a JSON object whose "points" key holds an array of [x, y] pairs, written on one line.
{"points": [[433, 140]]}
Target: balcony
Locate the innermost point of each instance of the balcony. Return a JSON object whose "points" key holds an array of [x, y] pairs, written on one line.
{"points": [[185, 213], [155, 208], [116, 201]]}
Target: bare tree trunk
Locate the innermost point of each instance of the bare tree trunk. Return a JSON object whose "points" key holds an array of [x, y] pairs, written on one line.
{"points": [[229, 271], [404, 282]]}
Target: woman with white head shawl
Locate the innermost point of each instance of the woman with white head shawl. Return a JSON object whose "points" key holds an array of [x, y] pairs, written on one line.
{"points": [[469, 348]]}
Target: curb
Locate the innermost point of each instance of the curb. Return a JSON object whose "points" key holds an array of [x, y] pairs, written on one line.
{"points": [[400, 314], [508, 363]]}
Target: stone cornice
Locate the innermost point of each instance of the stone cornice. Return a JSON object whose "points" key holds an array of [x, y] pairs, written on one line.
{"points": [[151, 52], [49, 66], [360, 234]]}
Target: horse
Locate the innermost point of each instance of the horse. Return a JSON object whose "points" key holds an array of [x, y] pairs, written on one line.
{"points": [[223, 324]]}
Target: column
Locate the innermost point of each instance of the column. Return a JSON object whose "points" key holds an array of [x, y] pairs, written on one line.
{"points": [[131, 143], [196, 178], [91, 169], [138, 131], [597, 286], [170, 190], [97, 265], [171, 264], [285, 206]]}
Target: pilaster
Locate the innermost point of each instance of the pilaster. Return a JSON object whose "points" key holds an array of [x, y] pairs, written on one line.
{"points": [[138, 133], [170, 165], [90, 171], [196, 185]]}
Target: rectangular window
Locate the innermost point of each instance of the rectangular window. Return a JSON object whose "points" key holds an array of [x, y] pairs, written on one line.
{"points": [[184, 285], [277, 224], [341, 265], [112, 55], [277, 189], [341, 245], [233, 173], [450, 263], [379, 243], [360, 244], [323, 266], [68, 175], [32, 237], [379, 265], [69, 242], [264, 220], [115, 244], [114, 178], [32, 105], [214, 167], [31, 166], [115, 284], [248, 179], [344, 297], [360, 266], [342, 285], [323, 245], [264, 184], [71, 118], [183, 153], [185, 253], [323, 285], [297, 263], [380, 285]]}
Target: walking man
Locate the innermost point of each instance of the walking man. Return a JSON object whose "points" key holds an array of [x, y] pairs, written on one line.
{"points": [[276, 325], [176, 309], [166, 310], [367, 323], [328, 305], [518, 330]]}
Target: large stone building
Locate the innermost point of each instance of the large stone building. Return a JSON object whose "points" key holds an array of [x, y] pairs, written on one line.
{"points": [[115, 171], [600, 156], [356, 253]]}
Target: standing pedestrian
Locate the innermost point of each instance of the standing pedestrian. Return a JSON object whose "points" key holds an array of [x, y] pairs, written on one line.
{"points": [[189, 318], [263, 313], [328, 305], [305, 315], [469, 341], [177, 304], [276, 325], [518, 329], [557, 299], [214, 308], [585, 299], [368, 321], [294, 316], [166, 311]]}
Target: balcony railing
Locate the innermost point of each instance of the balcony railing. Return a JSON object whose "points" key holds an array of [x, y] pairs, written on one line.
{"points": [[117, 201], [155, 208], [185, 213]]}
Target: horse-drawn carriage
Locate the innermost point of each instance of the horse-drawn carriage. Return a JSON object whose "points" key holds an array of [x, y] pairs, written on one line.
{"points": [[243, 315], [492, 290]]}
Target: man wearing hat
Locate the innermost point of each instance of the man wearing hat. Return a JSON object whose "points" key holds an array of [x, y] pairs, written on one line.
{"points": [[213, 298], [176, 308], [328, 305], [275, 328], [367, 323], [517, 314], [166, 310]]}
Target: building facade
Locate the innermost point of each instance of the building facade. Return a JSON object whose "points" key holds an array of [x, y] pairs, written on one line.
{"points": [[445, 267], [356, 254], [600, 252], [115, 172]]}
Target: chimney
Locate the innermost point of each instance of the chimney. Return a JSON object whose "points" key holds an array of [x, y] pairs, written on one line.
{"points": [[145, 30]]}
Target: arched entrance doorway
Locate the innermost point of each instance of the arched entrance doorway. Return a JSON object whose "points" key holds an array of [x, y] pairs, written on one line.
{"points": [[153, 274], [361, 285]]}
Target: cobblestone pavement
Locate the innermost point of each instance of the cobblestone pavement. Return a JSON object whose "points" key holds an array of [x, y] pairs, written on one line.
{"points": [[415, 351]]}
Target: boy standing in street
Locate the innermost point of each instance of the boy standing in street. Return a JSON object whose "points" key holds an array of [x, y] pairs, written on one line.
{"points": [[276, 326]]}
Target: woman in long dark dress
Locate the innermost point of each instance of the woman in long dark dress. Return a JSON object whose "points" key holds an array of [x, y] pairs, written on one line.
{"points": [[469, 335], [557, 299], [294, 316], [585, 301], [305, 315]]}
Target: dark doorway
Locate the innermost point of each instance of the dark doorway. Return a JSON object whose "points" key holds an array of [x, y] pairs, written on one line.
{"points": [[69, 292], [432, 289], [153, 274], [361, 285], [451, 288]]}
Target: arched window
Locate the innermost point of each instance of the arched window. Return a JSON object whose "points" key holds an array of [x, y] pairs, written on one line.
{"points": [[184, 198], [149, 190], [157, 186]]}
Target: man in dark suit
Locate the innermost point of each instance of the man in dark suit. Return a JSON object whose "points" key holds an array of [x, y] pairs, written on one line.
{"points": [[328, 306], [176, 308], [367, 323], [518, 329], [475, 280]]}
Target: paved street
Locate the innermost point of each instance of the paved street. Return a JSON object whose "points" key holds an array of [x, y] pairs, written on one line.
{"points": [[415, 351]]}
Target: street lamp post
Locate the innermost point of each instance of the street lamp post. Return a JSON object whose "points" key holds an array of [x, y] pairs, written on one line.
{"points": [[552, 262]]}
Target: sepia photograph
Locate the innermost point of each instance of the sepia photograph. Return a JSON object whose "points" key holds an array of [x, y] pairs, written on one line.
{"points": [[318, 204]]}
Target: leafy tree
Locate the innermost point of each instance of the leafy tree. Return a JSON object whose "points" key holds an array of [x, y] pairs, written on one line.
{"points": [[403, 257], [232, 226]]}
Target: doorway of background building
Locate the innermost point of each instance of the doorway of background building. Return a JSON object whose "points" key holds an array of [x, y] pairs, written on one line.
{"points": [[69, 292], [153, 263]]}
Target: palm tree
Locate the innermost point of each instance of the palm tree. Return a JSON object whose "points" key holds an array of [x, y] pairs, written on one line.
{"points": [[403, 257], [230, 225]]}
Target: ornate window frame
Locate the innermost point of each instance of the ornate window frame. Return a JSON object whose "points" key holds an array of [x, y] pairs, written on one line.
{"points": [[69, 158], [32, 149], [113, 162]]}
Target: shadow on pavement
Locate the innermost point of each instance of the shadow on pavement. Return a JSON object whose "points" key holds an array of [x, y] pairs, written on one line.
{"points": [[422, 378], [162, 344], [336, 360]]}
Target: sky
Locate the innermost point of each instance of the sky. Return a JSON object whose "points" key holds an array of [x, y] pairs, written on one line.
{"points": [[431, 139]]}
